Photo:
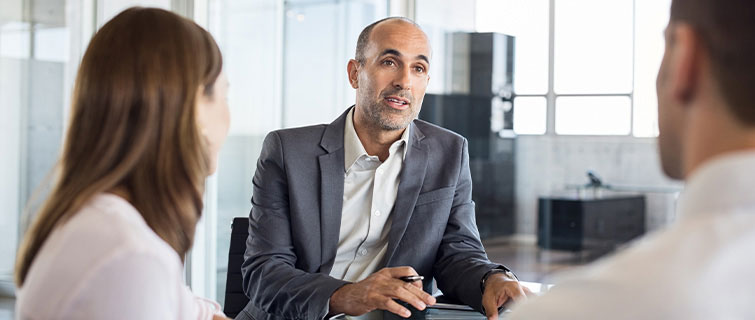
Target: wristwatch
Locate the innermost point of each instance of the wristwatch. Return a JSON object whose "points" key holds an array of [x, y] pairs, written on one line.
{"points": [[506, 271]]}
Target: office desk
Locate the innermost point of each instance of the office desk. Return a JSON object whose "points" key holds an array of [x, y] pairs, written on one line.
{"points": [[434, 314], [441, 314], [591, 224], [444, 314]]}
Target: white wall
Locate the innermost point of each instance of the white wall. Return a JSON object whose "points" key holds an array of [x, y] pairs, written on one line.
{"points": [[545, 165]]}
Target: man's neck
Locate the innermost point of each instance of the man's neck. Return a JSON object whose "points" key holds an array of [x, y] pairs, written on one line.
{"points": [[376, 141], [712, 134]]}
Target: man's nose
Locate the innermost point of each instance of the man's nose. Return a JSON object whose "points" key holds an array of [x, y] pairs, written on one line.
{"points": [[403, 80]]}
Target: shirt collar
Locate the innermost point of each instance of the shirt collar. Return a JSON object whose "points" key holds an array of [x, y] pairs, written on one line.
{"points": [[723, 183], [353, 148]]}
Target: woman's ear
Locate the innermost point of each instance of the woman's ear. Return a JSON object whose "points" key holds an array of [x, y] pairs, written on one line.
{"points": [[202, 102]]}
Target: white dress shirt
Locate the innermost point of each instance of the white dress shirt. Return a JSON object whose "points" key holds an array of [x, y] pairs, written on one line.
{"points": [[107, 263], [702, 267], [369, 192]]}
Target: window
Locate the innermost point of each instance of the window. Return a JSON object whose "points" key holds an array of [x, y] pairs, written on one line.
{"points": [[590, 63], [597, 115], [593, 47], [527, 20], [41, 43], [651, 17], [530, 115], [36, 63]]}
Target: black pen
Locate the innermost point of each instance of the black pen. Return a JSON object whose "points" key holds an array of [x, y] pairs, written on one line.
{"points": [[411, 278]]}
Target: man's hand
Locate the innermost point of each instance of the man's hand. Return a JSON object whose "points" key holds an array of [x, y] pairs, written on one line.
{"points": [[498, 290], [378, 292]]}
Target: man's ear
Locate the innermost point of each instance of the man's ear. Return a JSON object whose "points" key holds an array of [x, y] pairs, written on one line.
{"points": [[353, 70], [686, 62]]}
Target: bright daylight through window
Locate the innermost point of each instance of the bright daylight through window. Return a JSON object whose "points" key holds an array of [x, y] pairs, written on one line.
{"points": [[592, 81]]}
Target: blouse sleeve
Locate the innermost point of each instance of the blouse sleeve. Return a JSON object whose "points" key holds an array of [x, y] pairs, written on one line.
{"points": [[206, 308]]}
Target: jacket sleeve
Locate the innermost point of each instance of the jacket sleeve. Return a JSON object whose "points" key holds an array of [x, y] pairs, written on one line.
{"points": [[275, 287], [461, 251]]}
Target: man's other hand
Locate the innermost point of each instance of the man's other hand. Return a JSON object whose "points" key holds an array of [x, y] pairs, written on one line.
{"points": [[498, 290], [378, 291]]}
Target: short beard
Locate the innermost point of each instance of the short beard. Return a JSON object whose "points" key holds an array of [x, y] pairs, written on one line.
{"points": [[373, 113]]}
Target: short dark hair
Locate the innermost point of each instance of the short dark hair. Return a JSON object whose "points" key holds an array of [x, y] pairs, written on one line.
{"points": [[364, 36], [727, 29]]}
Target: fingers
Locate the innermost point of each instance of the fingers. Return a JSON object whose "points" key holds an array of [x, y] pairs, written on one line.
{"points": [[501, 299], [414, 296], [490, 306], [528, 292], [424, 296], [409, 292], [500, 294], [494, 299], [492, 315], [516, 292], [405, 295], [416, 284], [392, 306], [399, 272]]}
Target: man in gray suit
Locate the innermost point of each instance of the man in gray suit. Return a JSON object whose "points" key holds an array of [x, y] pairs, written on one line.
{"points": [[341, 212]]}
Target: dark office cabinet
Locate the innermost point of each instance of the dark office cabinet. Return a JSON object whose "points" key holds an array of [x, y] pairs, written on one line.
{"points": [[589, 224]]}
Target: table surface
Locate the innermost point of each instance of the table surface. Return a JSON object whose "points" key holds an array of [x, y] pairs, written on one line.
{"points": [[434, 314], [445, 314], [442, 314]]}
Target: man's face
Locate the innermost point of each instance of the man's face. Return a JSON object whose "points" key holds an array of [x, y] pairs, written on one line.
{"points": [[392, 79], [670, 114]]}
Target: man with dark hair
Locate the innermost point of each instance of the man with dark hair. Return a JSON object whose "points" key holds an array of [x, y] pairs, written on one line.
{"points": [[701, 267], [346, 216]]}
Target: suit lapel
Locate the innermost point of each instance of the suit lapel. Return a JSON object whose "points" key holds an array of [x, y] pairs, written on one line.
{"points": [[331, 191], [411, 178]]}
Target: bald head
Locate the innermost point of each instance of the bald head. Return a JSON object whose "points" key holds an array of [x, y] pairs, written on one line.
{"points": [[364, 37], [390, 73]]}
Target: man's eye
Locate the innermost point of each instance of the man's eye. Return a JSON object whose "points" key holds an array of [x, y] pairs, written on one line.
{"points": [[388, 63], [419, 69]]}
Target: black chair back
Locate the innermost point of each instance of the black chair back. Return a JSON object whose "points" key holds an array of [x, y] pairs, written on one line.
{"points": [[235, 299]]}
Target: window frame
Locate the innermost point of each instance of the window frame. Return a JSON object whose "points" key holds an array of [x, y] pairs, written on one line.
{"points": [[551, 96]]}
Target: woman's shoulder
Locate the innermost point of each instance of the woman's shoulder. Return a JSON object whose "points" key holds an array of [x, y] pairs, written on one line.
{"points": [[116, 225], [105, 228], [104, 246]]}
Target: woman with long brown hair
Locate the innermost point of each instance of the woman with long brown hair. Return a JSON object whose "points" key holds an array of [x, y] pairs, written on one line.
{"points": [[149, 115]]}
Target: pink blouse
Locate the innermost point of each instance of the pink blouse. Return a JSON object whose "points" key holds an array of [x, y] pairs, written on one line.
{"points": [[107, 263]]}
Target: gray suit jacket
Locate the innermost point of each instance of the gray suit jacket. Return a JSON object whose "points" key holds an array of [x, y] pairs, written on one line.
{"points": [[296, 215]]}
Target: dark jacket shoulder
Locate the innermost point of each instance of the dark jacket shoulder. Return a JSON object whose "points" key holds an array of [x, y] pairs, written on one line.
{"points": [[306, 134], [437, 136]]}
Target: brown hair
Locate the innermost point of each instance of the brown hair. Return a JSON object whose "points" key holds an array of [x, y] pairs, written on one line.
{"points": [[134, 128], [727, 31]]}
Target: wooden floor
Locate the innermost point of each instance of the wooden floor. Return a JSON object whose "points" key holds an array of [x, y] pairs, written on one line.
{"points": [[531, 263]]}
